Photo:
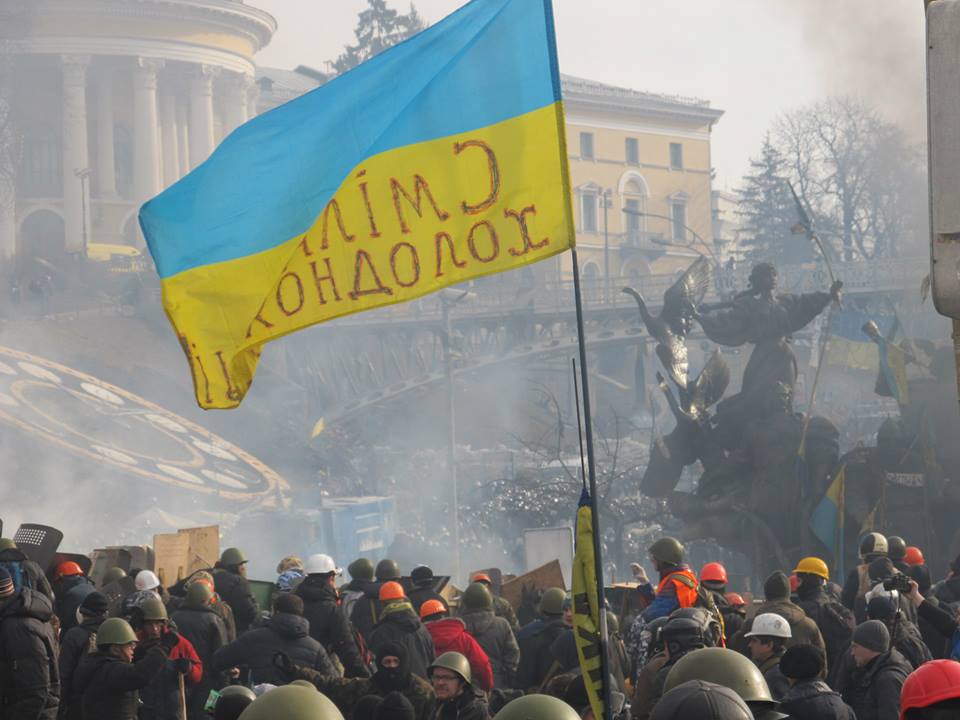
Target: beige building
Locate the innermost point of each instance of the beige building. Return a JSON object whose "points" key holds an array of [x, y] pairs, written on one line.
{"points": [[641, 175]]}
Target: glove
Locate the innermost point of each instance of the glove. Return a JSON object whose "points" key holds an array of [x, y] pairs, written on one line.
{"points": [[182, 665], [283, 663], [169, 640]]}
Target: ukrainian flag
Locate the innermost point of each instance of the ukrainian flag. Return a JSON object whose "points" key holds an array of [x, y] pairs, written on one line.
{"points": [[849, 347], [827, 520], [440, 160]]}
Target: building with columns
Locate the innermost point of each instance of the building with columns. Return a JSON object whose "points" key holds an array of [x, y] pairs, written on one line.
{"points": [[111, 101]]}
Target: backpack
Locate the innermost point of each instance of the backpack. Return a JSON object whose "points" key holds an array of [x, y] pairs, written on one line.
{"points": [[20, 577], [705, 600]]}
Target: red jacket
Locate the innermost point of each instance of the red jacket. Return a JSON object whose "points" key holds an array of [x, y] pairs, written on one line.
{"points": [[184, 649], [450, 635]]}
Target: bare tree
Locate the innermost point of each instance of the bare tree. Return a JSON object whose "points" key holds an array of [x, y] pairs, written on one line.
{"points": [[857, 175]]}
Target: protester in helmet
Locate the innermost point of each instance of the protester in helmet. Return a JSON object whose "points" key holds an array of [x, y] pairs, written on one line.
{"points": [[457, 699], [146, 586], [897, 552], [833, 619], [776, 588], [328, 624], [873, 688], [366, 611], [501, 608], [932, 692], [646, 687], [678, 585], [492, 633], [808, 697], [680, 636], [535, 658], [74, 644], [230, 583], [112, 575], [423, 581], [70, 587], [766, 642], [109, 678], [287, 632], [872, 546], [713, 577], [232, 701], [361, 583], [701, 700], [399, 624], [292, 702], [537, 707], [197, 621], [735, 615], [450, 634]]}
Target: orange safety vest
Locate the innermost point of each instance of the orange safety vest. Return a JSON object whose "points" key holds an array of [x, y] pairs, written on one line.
{"points": [[685, 583]]}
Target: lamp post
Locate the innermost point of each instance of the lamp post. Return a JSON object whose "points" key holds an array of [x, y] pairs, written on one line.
{"points": [[689, 229], [605, 197], [84, 175], [448, 298]]}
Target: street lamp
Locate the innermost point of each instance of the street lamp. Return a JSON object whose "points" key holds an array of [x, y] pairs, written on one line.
{"points": [[448, 298], [84, 175], [605, 198], [706, 245]]}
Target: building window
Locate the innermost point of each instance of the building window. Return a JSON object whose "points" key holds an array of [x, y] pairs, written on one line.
{"points": [[676, 156], [586, 146], [41, 172], [632, 151], [588, 211], [678, 212], [633, 206]]}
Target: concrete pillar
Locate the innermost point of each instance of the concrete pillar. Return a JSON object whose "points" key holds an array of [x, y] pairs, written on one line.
{"points": [[236, 101], [105, 171], [169, 137], [183, 138], [8, 188], [146, 136], [201, 113], [76, 192], [253, 96]]}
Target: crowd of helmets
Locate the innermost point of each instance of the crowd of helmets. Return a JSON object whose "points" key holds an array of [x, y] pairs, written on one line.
{"points": [[375, 644]]}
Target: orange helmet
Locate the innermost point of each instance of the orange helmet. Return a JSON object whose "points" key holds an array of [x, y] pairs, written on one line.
{"points": [[482, 578], [67, 569], [391, 591], [713, 572], [431, 607], [914, 556], [734, 599], [932, 682]]}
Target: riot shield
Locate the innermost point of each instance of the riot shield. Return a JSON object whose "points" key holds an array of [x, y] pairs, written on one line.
{"points": [[38, 542]]}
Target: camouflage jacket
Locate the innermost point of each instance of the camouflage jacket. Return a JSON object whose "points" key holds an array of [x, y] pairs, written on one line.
{"points": [[346, 692], [502, 608]]}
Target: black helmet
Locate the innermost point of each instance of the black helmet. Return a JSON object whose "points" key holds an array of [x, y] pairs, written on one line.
{"points": [[233, 700], [701, 700], [387, 569], [712, 633], [653, 629], [683, 634], [896, 548]]}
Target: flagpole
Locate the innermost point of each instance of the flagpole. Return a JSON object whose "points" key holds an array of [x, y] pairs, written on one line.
{"points": [[592, 476]]}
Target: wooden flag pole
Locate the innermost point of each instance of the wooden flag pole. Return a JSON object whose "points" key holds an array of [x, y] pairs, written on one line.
{"points": [[592, 476]]}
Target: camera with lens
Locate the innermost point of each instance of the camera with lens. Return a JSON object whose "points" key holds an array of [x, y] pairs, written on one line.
{"points": [[900, 583]]}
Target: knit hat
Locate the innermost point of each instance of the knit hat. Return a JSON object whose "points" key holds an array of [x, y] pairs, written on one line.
{"points": [[366, 707], [802, 662], [421, 574], [395, 706], [873, 635], [94, 604], [881, 607], [777, 586], [6, 584]]}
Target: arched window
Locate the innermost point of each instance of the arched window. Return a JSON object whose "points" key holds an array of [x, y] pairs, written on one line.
{"points": [[123, 160], [41, 173], [633, 193]]}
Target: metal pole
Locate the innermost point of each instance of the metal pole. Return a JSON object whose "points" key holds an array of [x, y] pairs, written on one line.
{"points": [[592, 475], [452, 437], [606, 247], [83, 210]]}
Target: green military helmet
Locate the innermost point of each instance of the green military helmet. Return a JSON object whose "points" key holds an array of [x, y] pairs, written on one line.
{"points": [[667, 550], [112, 575], [292, 702], [7, 544], [199, 594], [613, 623], [233, 700], [454, 662], [154, 609], [477, 597], [537, 707], [387, 569], [115, 631], [231, 557], [723, 667], [551, 602], [896, 548], [361, 569], [701, 700]]}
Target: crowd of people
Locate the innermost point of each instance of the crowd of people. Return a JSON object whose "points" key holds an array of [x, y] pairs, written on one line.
{"points": [[380, 645]]}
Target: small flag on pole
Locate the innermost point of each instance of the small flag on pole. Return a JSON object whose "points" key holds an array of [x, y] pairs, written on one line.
{"points": [[440, 160], [586, 608], [827, 520]]}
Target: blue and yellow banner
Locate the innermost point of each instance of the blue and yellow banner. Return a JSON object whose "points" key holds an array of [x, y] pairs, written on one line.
{"points": [[827, 519], [586, 608], [439, 160], [849, 347]]}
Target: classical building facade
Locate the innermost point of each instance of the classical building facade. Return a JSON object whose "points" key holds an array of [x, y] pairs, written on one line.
{"points": [[112, 101]]}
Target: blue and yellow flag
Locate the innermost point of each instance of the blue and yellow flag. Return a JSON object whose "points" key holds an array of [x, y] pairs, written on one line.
{"points": [[439, 160], [827, 520], [586, 608]]}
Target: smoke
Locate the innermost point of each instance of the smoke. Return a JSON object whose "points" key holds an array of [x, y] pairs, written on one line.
{"points": [[871, 50]]}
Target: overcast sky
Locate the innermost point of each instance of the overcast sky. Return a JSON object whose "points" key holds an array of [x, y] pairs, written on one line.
{"points": [[751, 58]]}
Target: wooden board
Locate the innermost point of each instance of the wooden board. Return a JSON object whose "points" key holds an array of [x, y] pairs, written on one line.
{"points": [[204, 547], [181, 553], [541, 578]]}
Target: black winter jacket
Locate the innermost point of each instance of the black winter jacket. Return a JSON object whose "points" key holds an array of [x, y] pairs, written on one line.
{"points": [[207, 632], [402, 626], [29, 677], [329, 625], [364, 606], [286, 633], [36, 578], [874, 690], [234, 590], [110, 684], [468, 706], [70, 594], [814, 700], [832, 618], [536, 658], [74, 645]]}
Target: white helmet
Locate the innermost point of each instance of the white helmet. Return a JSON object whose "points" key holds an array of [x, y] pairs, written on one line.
{"points": [[146, 580], [770, 625], [321, 564]]}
